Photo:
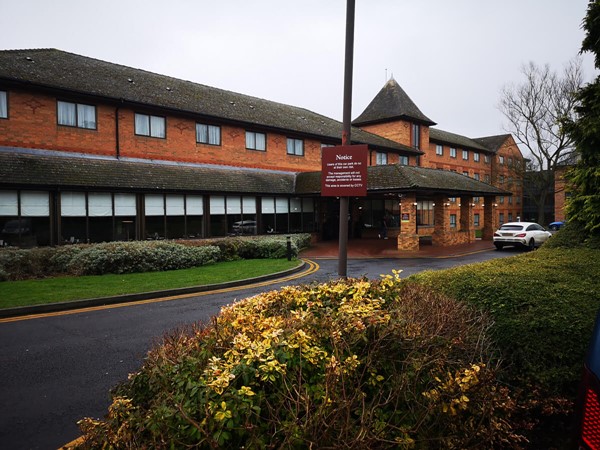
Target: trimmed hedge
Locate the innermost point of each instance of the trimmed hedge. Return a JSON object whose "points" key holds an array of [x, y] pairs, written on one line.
{"points": [[348, 364], [140, 256], [543, 305]]}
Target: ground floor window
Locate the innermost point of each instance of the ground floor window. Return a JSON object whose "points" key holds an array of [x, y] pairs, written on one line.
{"points": [[24, 218], [173, 216], [425, 212]]}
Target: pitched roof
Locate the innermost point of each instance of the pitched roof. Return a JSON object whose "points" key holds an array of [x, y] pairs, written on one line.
{"points": [[389, 104], [445, 137], [68, 72], [38, 169], [398, 178], [493, 142], [67, 171]]}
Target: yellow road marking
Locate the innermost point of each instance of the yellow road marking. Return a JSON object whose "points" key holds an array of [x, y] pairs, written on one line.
{"points": [[312, 268]]}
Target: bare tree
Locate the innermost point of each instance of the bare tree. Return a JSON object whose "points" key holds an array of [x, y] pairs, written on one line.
{"points": [[536, 110]]}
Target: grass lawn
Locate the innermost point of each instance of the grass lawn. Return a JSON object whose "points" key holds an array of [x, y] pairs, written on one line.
{"points": [[60, 289]]}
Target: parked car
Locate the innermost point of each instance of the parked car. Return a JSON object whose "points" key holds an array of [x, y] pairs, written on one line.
{"points": [[245, 227], [555, 226], [522, 234], [588, 405]]}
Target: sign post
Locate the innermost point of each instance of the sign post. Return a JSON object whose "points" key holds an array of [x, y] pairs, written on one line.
{"points": [[347, 119]]}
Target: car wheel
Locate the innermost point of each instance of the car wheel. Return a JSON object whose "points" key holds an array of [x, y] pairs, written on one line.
{"points": [[531, 245], [553, 228], [499, 246]]}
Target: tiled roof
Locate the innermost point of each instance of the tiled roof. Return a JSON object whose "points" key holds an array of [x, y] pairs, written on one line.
{"points": [[42, 168], [395, 177], [445, 137], [39, 169], [389, 104], [73, 73], [493, 142]]}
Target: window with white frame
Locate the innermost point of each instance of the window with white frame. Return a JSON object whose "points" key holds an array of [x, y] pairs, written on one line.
{"points": [[452, 220], [452, 152], [76, 115], [381, 158], [3, 105], [476, 220], [256, 141], [466, 173], [465, 154], [152, 126], [501, 159], [476, 176], [208, 134], [475, 156], [295, 147], [486, 159], [403, 160], [439, 149]]}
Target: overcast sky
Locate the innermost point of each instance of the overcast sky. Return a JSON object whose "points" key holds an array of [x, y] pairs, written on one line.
{"points": [[451, 57]]}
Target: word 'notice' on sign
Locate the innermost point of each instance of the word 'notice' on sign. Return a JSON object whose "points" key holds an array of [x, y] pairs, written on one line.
{"points": [[344, 171]]}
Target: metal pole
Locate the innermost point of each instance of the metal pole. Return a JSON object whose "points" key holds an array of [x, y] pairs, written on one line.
{"points": [[346, 137]]}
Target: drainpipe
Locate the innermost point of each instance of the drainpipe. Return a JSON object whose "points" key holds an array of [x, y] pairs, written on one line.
{"points": [[117, 143]]}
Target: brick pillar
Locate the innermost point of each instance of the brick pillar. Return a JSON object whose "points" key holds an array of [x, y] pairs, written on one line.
{"points": [[489, 219], [408, 239], [441, 221], [466, 213]]}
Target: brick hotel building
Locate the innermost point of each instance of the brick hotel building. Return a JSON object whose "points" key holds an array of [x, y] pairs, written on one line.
{"points": [[92, 151]]}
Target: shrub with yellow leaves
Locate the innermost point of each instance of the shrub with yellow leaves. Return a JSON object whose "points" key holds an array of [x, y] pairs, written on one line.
{"points": [[350, 363]]}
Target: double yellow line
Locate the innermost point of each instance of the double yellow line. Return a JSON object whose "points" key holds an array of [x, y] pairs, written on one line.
{"points": [[312, 268]]}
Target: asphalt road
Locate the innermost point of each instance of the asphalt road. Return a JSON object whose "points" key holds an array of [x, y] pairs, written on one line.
{"points": [[56, 370]]}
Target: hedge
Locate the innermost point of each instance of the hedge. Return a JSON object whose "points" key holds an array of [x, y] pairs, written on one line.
{"points": [[140, 256]]}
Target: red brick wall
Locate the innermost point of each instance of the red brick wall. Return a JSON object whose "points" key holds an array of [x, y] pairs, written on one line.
{"points": [[509, 176], [32, 123]]}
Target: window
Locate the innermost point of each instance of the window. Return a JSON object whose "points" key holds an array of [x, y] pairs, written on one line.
{"points": [[295, 147], [510, 200], [416, 136], [475, 156], [76, 115], [403, 160], [501, 179], [486, 159], [486, 177], [439, 149], [501, 159], [326, 145], [501, 218], [3, 105], [380, 158], [256, 141], [452, 152], [465, 173], [476, 199], [502, 199], [510, 217], [208, 134], [476, 176], [452, 220], [465, 154], [153, 126], [476, 220]]}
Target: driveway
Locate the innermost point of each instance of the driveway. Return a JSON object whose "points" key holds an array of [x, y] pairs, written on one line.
{"points": [[58, 369]]}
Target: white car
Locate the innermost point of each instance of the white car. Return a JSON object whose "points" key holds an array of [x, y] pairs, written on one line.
{"points": [[524, 234]]}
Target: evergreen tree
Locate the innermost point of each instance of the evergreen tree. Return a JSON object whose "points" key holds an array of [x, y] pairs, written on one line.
{"points": [[584, 205]]}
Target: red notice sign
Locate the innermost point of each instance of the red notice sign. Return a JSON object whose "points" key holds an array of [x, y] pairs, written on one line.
{"points": [[344, 171]]}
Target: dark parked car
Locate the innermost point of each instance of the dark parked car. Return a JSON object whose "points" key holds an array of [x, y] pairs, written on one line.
{"points": [[588, 427], [245, 227], [555, 226]]}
